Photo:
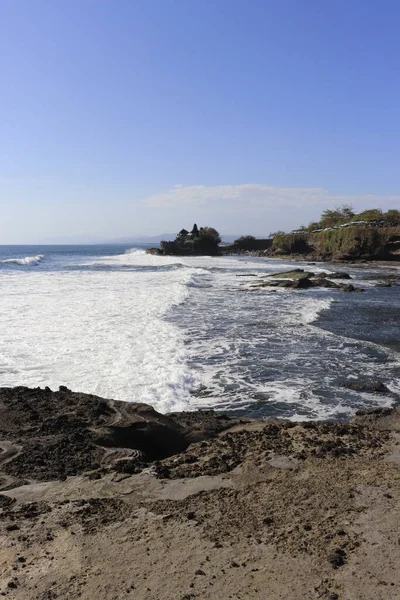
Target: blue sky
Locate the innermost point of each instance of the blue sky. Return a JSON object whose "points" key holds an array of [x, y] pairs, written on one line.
{"points": [[137, 117]]}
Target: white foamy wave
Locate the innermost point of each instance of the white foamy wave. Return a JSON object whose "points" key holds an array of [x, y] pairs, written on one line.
{"points": [[312, 308], [199, 278], [27, 261], [179, 334], [101, 333], [137, 251]]}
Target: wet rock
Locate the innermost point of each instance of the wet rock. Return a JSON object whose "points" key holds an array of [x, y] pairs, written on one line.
{"points": [[300, 279], [68, 433], [324, 282], [301, 283], [350, 288], [335, 275], [293, 274], [371, 385]]}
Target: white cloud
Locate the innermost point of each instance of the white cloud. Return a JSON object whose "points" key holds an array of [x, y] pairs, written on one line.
{"points": [[260, 198]]}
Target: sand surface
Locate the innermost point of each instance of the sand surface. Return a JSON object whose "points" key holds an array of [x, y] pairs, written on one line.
{"points": [[216, 509]]}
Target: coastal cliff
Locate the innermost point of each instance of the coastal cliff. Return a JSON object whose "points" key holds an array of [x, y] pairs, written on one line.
{"points": [[105, 499], [352, 243]]}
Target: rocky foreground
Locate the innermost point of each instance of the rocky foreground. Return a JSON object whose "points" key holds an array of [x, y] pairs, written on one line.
{"points": [[108, 500]]}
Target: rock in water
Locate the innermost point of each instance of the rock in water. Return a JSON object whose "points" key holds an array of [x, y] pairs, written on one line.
{"points": [[350, 288], [371, 385]]}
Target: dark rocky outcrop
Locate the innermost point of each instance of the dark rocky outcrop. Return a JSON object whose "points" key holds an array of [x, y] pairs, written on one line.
{"points": [[49, 435], [296, 284], [324, 282], [336, 275], [292, 274], [369, 385], [300, 279], [154, 251], [67, 433], [350, 288]]}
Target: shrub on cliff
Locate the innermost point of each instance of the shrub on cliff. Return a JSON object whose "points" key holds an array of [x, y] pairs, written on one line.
{"points": [[207, 241], [392, 217], [352, 242], [372, 214], [344, 215], [291, 244], [339, 215], [245, 242]]}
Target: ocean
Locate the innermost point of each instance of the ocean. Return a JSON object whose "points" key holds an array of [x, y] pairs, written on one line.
{"points": [[186, 333]]}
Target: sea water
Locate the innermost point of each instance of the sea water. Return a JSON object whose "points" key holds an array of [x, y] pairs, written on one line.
{"points": [[185, 333]]}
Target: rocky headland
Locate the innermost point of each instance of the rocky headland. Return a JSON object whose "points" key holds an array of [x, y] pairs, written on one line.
{"points": [[110, 500], [340, 235], [341, 244]]}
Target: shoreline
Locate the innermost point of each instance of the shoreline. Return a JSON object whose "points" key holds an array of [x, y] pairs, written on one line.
{"points": [[395, 264], [105, 499]]}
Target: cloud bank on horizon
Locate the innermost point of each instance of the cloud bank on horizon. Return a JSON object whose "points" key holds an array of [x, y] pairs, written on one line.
{"points": [[260, 199], [96, 214]]}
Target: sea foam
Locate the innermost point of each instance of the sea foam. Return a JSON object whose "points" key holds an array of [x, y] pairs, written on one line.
{"points": [[182, 333], [103, 333], [27, 261]]}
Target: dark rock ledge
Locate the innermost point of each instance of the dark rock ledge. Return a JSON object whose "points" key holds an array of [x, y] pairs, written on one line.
{"points": [[300, 279], [46, 435]]}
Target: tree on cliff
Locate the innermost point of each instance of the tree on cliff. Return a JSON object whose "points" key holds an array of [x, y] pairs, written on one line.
{"points": [[337, 216], [313, 225], [211, 234], [207, 241], [274, 234], [392, 216], [245, 242], [195, 231], [372, 214]]}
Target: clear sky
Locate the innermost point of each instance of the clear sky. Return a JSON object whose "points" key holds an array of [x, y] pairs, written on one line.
{"points": [[138, 117]]}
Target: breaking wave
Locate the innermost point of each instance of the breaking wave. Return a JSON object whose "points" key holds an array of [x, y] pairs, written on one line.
{"points": [[29, 261], [182, 333]]}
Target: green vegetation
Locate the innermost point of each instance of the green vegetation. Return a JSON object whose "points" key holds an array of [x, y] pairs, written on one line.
{"points": [[343, 215], [248, 243], [343, 234], [199, 241], [245, 242], [287, 243], [337, 216], [352, 242]]}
